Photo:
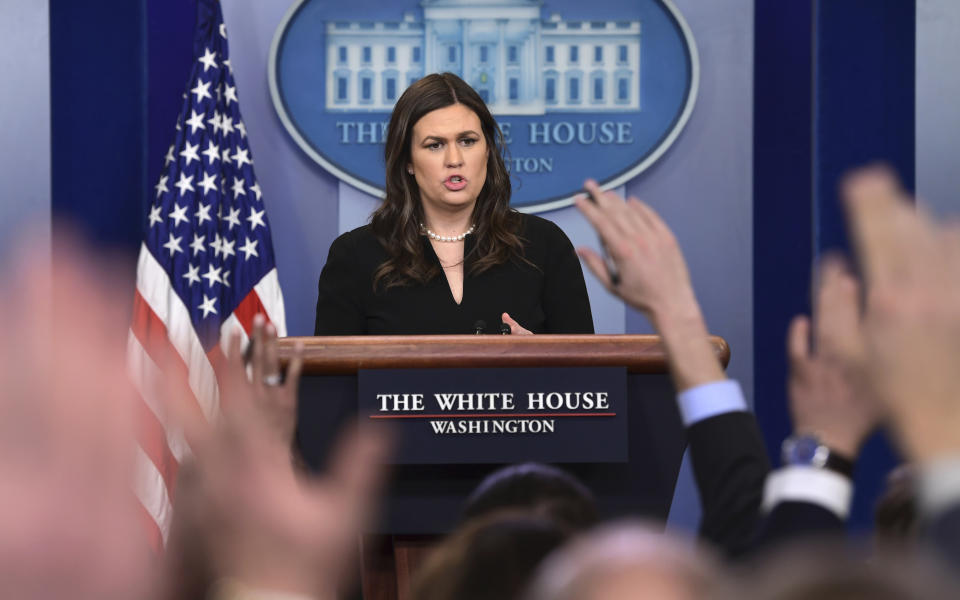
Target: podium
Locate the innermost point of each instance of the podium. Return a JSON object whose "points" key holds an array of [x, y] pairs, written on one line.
{"points": [[423, 501]]}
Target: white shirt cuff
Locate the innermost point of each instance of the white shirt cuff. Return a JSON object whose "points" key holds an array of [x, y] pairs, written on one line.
{"points": [[822, 487], [938, 485], [709, 400]]}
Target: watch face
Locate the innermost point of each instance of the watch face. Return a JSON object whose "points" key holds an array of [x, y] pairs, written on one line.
{"points": [[803, 451]]}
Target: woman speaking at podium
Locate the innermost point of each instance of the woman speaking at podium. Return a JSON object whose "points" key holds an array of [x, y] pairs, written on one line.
{"points": [[445, 253]]}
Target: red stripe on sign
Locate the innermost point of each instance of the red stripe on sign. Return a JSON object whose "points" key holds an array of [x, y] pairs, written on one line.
{"points": [[493, 415]]}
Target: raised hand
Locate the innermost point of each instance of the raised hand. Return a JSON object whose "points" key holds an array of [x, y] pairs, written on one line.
{"points": [[276, 399], [652, 276], [264, 523], [911, 269], [67, 512], [826, 386]]}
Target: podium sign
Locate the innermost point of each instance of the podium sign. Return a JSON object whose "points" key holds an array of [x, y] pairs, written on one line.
{"points": [[500, 415]]}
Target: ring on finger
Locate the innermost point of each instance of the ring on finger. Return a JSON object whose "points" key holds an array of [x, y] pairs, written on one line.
{"points": [[272, 380]]}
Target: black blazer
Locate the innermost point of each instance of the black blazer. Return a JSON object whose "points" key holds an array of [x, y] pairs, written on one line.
{"points": [[545, 293], [943, 535]]}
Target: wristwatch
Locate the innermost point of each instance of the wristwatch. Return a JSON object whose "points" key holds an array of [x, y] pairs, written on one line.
{"points": [[807, 450]]}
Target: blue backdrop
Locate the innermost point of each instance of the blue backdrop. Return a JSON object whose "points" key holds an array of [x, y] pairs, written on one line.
{"points": [[749, 186]]}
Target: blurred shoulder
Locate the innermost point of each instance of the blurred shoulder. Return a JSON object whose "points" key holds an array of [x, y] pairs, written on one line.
{"points": [[357, 246], [360, 236], [536, 230]]}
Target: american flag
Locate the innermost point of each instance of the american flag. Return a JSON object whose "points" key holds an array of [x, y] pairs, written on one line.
{"points": [[205, 268]]}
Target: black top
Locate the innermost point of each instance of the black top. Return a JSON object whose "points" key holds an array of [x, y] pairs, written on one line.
{"points": [[548, 296]]}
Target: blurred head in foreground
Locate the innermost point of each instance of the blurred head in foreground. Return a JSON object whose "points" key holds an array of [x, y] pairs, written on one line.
{"points": [[895, 515], [540, 489], [621, 561], [834, 571], [489, 558]]}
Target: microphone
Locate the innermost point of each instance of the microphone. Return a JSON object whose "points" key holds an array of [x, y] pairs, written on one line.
{"points": [[505, 329], [479, 326]]}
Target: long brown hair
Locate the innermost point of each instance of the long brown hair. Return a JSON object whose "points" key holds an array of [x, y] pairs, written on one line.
{"points": [[396, 223]]}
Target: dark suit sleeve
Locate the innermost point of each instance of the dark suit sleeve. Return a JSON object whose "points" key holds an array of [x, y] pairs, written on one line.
{"points": [[942, 535], [793, 519], [565, 301], [341, 292], [730, 466]]}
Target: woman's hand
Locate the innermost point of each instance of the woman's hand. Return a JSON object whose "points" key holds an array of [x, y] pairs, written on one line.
{"points": [[515, 328]]}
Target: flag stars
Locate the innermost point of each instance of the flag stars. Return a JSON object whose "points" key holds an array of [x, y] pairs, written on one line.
{"points": [[242, 157], [226, 279], [178, 214], [203, 213], [255, 188], [155, 215], [161, 186], [197, 244], [242, 129], [228, 248], [184, 184], [202, 90], [256, 218], [189, 153], [169, 157], [225, 156], [209, 183], [217, 245], [173, 244], [207, 306], [212, 152], [249, 249], [226, 123], [214, 122], [230, 93], [223, 30], [212, 275], [238, 189], [209, 60], [195, 122], [191, 275], [233, 218]]}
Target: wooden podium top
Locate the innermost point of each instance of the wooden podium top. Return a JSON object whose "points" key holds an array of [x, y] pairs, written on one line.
{"points": [[346, 354]]}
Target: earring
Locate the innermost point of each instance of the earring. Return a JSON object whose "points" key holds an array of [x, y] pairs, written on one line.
{"points": [[410, 170]]}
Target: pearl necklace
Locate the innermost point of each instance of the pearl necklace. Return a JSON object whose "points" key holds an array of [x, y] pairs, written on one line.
{"points": [[446, 238]]}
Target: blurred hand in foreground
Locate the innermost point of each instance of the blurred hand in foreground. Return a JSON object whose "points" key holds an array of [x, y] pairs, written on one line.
{"points": [[911, 270], [275, 396], [68, 526], [262, 522], [652, 276], [826, 390]]}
